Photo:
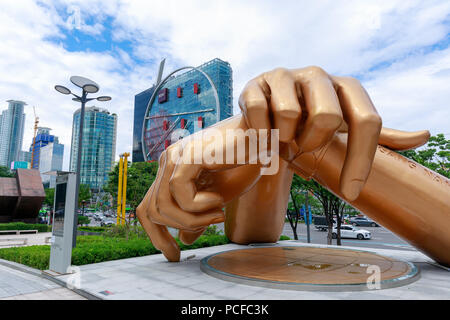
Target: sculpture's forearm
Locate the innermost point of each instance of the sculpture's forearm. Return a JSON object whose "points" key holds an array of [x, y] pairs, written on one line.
{"points": [[403, 196]]}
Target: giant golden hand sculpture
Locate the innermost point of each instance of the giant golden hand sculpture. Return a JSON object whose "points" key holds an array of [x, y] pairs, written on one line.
{"points": [[329, 131]]}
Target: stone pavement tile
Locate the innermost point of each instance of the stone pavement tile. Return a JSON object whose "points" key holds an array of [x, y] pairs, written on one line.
{"points": [[238, 291], [86, 277], [52, 294], [3, 293], [212, 286], [291, 295], [135, 295], [180, 294]]}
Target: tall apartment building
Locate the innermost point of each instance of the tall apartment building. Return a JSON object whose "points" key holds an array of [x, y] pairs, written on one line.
{"points": [[99, 146], [12, 123]]}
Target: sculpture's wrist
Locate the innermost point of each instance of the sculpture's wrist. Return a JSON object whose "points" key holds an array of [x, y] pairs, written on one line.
{"points": [[304, 164]]}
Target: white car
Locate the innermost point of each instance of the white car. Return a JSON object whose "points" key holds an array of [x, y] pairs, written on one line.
{"points": [[349, 231]]}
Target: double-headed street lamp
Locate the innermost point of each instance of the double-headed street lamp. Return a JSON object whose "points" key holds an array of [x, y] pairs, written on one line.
{"points": [[87, 86]]}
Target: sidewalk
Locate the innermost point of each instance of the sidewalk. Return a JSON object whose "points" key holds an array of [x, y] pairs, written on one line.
{"points": [[19, 285], [152, 277], [33, 239]]}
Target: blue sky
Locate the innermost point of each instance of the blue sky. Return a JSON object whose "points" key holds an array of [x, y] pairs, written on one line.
{"points": [[398, 49]]}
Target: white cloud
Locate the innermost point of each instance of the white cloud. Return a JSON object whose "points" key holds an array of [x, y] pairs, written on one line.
{"points": [[344, 37]]}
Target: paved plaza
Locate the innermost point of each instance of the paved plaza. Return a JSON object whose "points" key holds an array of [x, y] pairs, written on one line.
{"points": [[20, 240], [152, 277], [23, 283]]}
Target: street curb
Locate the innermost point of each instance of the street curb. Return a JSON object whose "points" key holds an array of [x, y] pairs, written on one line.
{"points": [[41, 274]]}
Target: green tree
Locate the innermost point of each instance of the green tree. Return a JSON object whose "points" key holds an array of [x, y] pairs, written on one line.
{"points": [[140, 176], [49, 197], [5, 172], [330, 203], [435, 155], [83, 220], [84, 194]]}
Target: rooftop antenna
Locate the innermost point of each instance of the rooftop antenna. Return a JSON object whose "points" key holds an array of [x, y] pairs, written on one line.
{"points": [[161, 69]]}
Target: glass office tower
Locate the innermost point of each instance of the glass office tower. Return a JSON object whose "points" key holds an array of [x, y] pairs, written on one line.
{"points": [[12, 122], [50, 159], [185, 101], [140, 104], [99, 146]]}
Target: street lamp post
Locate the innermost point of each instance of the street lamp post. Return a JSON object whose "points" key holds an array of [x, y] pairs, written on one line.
{"points": [[307, 214], [87, 86]]}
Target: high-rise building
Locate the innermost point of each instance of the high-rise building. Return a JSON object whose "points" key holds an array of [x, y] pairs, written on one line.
{"points": [[50, 159], [12, 123], [25, 156], [186, 101], [43, 138], [99, 146], [140, 104]]}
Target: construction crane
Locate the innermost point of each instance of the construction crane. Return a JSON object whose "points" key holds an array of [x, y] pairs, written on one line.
{"points": [[36, 122]]}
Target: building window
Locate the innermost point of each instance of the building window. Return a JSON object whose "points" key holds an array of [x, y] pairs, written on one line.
{"points": [[163, 95]]}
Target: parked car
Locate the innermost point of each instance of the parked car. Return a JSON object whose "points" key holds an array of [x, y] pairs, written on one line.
{"points": [[320, 223], [349, 231], [364, 222], [106, 223]]}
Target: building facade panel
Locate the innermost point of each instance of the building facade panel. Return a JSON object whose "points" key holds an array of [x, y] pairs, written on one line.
{"points": [[51, 159], [99, 146], [186, 101]]}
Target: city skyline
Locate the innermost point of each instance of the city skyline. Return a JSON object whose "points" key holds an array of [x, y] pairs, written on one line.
{"points": [[399, 51]]}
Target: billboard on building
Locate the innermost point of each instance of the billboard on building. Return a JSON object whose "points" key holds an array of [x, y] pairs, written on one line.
{"points": [[20, 165]]}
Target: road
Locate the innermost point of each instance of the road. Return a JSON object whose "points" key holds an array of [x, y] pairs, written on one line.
{"points": [[381, 237]]}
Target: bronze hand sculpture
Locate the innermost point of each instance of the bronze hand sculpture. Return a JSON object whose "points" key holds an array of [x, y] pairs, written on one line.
{"points": [[330, 131]]}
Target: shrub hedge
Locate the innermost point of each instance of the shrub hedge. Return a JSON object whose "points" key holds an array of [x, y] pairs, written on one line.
{"points": [[25, 226], [92, 229], [94, 249]]}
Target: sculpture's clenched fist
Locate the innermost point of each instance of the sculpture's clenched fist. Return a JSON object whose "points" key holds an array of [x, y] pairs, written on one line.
{"points": [[309, 106]]}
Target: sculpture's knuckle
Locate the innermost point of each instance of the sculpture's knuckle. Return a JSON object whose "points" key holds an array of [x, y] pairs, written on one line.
{"points": [[371, 120], [254, 103], [350, 81], [327, 120], [280, 72], [276, 74], [140, 212], [315, 71]]}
